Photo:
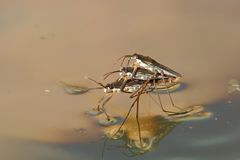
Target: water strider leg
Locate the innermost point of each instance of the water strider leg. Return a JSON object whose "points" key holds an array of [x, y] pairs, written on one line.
{"points": [[170, 97], [126, 78], [128, 61], [103, 104], [126, 117], [141, 89], [123, 83], [159, 99], [139, 127], [100, 101], [106, 75]]}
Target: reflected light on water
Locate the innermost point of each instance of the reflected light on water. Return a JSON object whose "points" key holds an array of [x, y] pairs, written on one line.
{"points": [[153, 130]]}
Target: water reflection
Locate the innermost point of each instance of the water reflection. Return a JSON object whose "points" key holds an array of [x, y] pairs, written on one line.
{"points": [[153, 130]]}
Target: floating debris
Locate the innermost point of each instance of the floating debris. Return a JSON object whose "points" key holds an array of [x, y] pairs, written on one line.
{"points": [[233, 85], [47, 91], [229, 102], [80, 130], [43, 37]]}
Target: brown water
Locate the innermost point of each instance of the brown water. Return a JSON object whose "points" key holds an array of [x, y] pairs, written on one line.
{"points": [[44, 42]]}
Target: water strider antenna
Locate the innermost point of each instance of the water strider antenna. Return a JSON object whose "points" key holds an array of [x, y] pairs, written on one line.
{"points": [[94, 81], [105, 76]]}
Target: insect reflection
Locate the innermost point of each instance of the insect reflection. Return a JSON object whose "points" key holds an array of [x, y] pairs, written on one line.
{"points": [[153, 130]]}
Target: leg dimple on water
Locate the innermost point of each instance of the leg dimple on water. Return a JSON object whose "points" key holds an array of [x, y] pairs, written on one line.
{"points": [[94, 112], [108, 122]]}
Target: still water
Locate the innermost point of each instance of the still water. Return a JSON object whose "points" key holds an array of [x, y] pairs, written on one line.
{"points": [[45, 42]]}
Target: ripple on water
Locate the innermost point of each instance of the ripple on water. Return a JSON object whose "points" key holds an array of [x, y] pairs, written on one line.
{"points": [[193, 113], [93, 112], [80, 130], [109, 122], [74, 88]]}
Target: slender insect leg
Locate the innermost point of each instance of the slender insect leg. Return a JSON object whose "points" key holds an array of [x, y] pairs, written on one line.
{"points": [[100, 101], [95, 81], [123, 57], [169, 113], [105, 76], [123, 83], [128, 61], [103, 104], [135, 68], [139, 128], [184, 111], [170, 97], [126, 79], [141, 89], [126, 117], [159, 99]]}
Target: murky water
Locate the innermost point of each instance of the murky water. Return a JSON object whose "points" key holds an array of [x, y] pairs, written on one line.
{"points": [[43, 43]]}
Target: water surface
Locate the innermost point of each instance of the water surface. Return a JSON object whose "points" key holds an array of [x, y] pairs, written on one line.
{"points": [[44, 42]]}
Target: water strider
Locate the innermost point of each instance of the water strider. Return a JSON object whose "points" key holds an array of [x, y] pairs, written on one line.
{"points": [[142, 75], [146, 62], [149, 66]]}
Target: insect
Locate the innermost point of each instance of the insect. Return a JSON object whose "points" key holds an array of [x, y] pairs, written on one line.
{"points": [[147, 69], [146, 62], [132, 86], [142, 67], [142, 75]]}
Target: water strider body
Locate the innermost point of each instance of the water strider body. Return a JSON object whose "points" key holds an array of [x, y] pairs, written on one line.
{"points": [[140, 73], [144, 76], [146, 62], [135, 87]]}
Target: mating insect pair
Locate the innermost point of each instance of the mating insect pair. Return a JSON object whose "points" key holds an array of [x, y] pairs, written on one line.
{"points": [[141, 75]]}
